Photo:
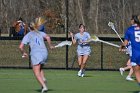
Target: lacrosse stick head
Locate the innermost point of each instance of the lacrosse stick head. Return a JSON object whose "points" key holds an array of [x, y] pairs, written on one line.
{"points": [[111, 24], [63, 43], [69, 43], [93, 38]]}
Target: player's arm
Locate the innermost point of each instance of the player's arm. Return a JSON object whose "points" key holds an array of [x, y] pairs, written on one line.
{"points": [[123, 46], [21, 47], [47, 37], [72, 38], [125, 42]]}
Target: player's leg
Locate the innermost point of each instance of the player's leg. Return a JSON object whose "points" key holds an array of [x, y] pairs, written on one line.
{"points": [[130, 71], [37, 73], [137, 72], [83, 65], [129, 76], [42, 73], [125, 68], [128, 65], [80, 59]]}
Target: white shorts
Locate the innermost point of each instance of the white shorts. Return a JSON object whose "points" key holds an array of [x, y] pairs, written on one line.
{"points": [[85, 50], [133, 64], [39, 58]]}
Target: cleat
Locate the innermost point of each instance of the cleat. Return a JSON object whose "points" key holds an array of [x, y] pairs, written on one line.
{"points": [[129, 78], [44, 90], [79, 74], [121, 71], [82, 75]]}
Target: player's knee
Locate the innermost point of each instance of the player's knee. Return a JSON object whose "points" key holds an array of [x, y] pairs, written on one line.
{"points": [[84, 63]]}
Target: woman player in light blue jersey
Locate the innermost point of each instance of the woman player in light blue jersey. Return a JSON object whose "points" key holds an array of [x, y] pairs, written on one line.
{"points": [[133, 34], [83, 49], [39, 52], [128, 67]]}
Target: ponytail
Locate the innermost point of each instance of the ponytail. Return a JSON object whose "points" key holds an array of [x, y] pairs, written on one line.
{"points": [[136, 19]]}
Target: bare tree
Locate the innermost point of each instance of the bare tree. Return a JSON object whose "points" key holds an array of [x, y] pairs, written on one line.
{"points": [[95, 14]]}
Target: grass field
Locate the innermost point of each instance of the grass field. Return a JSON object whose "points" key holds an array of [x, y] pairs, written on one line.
{"points": [[62, 81]]}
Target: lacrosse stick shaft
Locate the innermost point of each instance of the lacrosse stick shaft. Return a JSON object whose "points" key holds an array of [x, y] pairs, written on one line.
{"points": [[109, 43], [118, 35]]}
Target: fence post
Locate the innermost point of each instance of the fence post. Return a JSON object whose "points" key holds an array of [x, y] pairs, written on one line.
{"points": [[66, 28], [0, 31], [29, 58], [101, 56]]}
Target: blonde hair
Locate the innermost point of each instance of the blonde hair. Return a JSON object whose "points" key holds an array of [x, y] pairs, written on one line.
{"points": [[38, 21]]}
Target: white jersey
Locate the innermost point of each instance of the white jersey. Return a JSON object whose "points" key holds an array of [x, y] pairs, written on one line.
{"points": [[39, 51], [83, 48], [129, 49], [35, 40]]}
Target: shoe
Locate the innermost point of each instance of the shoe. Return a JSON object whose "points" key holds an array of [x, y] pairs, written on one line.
{"points": [[79, 74], [121, 71], [44, 90], [83, 73], [129, 78]]}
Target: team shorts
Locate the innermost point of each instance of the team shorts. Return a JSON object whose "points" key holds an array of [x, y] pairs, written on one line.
{"points": [[39, 58], [83, 50], [135, 60]]}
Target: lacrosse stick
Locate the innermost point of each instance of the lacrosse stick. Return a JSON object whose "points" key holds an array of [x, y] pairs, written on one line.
{"points": [[110, 24], [96, 39], [63, 43]]}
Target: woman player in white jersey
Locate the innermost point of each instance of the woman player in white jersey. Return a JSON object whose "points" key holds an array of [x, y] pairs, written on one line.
{"points": [[83, 49], [128, 67], [39, 52]]}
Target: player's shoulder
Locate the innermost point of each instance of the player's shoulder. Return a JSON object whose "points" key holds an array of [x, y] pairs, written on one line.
{"points": [[131, 28], [86, 33], [29, 33], [42, 33], [77, 34]]}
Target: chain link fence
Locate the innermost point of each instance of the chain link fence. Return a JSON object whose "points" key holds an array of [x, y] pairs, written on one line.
{"points": [[102, 56]]}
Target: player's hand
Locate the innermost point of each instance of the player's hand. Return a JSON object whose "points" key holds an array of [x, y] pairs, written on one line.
{"points": [[24, 55], [122, 48], [52, 47], [71, 34]]}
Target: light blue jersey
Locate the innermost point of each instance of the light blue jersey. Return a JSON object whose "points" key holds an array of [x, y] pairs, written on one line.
{"points": [[39, 51], [83, 48], [129, 49]]}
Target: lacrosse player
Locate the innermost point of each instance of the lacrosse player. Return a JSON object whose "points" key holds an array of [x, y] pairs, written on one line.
{"points": [[83, 49], [133, 34], [38, 53], [128, 67]]}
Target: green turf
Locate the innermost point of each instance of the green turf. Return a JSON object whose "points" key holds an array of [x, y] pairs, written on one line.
{"points": [[62, 81]]}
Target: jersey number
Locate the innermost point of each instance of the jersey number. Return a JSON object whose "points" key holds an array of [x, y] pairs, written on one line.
{"points": [[37, 41], [137, 36]]}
